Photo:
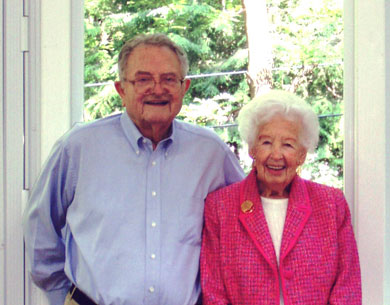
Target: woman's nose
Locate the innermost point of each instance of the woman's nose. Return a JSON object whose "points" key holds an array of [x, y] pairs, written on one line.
{"points": [[276, 152]]}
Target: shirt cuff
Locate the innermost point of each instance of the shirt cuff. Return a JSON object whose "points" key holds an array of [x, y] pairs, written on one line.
{"points": [[57, 297]]}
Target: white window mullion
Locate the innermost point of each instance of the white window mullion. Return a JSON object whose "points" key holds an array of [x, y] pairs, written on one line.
{"points": [[13, 151], [2, 169], [77, 61], [367, 136]]}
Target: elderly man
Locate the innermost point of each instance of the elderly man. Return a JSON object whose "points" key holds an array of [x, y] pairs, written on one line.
{"points": [[116, 216]]}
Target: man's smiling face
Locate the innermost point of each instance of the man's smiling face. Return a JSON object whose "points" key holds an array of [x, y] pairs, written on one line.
{"points": [[159, 105]]}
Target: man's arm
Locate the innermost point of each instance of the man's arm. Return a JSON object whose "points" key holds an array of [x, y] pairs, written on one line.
{"points": [[43, 220], [232, 169]]}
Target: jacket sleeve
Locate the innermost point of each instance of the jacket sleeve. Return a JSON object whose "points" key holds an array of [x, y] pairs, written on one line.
{"points": [[347, 286], [213, 288], [43, 220]]}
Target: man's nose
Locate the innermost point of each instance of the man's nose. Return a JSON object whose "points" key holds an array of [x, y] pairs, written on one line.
{"points": [[158, 88]]}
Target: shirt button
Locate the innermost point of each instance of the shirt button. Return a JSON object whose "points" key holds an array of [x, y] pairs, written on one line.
{"points": [[154, 224], [154, 163], [154, 194], [144, 140], [137, 152], [166, 154], [153, 256], [151, 289]]}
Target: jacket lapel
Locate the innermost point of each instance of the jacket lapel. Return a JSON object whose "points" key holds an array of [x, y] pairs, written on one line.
{"points": [[254, 222], [298, 213]]}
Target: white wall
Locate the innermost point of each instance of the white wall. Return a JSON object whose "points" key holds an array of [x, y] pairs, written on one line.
{"points": [[56, 85], [367, 137], [50, 112], [55, 72], [62, 68]]}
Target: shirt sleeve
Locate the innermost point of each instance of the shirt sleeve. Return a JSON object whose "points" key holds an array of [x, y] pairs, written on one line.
{"points": [[56, 297], [43, 220], [347, 286], [213, 289], [232, 169]]}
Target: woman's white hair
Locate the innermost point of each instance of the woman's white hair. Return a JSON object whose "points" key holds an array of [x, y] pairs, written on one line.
{"points": [[263, 108]]}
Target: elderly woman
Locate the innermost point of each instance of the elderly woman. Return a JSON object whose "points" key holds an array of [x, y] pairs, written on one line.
{"points": [[275, 238]]}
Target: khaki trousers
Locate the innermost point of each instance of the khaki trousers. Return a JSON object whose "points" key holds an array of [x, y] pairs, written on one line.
{"points": [[69, 300]]}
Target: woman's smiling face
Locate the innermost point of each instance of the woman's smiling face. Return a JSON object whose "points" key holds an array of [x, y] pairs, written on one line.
{"points": [[277, 153]]}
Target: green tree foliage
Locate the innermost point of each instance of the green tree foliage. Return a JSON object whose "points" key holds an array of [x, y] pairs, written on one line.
{"points": [[307, 56], [307, 37], [211, 35]]}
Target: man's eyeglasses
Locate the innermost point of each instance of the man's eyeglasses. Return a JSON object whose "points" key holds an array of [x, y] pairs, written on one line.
{"points": [[147, 83]]}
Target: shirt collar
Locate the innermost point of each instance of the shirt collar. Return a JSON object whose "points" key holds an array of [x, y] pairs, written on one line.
{"points": [[136, 139]]}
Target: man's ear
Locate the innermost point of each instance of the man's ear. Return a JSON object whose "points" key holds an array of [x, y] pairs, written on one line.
{"points": [[187, 83], [119, 89]]}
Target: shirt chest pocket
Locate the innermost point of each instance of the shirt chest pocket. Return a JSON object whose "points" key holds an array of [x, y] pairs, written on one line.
{"points": [[191, 221]]}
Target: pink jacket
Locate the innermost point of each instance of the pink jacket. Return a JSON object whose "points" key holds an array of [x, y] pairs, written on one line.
{"points": [[319, 261]]}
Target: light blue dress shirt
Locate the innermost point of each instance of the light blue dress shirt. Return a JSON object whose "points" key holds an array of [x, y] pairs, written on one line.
{"points": [[120, 220]]}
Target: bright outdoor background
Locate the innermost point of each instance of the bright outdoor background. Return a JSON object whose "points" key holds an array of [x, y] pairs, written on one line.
{"points": [[236, 49]]}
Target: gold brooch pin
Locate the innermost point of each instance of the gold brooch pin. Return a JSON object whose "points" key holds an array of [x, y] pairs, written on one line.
{"points": [[247, 206]]}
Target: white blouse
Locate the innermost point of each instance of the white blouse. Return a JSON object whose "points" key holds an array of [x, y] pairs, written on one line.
{"points": [[275, 213]]}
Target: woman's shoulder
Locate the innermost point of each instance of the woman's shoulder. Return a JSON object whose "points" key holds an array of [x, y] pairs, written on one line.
{"points": [[224, 203], [226, 196], [321, 190], [229, 191], [326, 197]]}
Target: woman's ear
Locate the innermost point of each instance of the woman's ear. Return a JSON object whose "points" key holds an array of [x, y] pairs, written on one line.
{"points": [[302, 157], [252, 152]]}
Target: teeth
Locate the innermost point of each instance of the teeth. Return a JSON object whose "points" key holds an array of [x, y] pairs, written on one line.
{"points": [[275, 167], [156, 103]]}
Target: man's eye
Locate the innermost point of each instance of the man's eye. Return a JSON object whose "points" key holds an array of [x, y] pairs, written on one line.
{"points": [[144, 80], [169, 79]]}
